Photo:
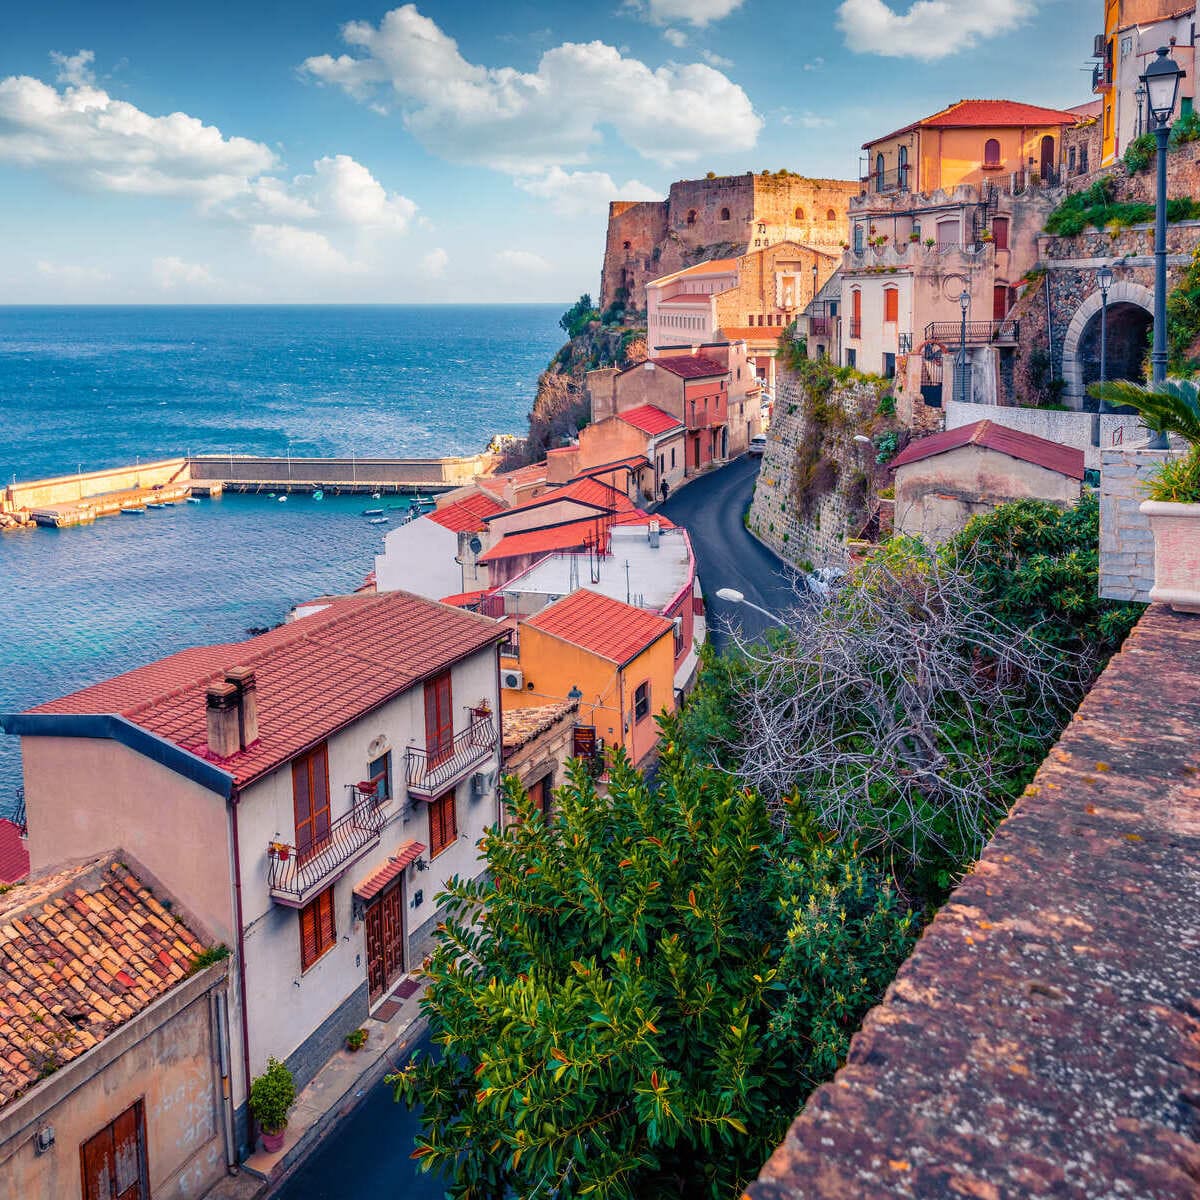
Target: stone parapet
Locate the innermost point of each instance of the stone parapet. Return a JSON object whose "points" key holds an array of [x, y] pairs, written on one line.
{"points": [[1126, 543]]}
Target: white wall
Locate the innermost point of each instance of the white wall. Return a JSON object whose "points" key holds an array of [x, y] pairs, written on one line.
{"points": [[285, 1004], [419, 557], [877, 338]]}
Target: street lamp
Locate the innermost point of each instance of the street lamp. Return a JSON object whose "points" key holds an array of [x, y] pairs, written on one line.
{"points": [[1140, 97], [1162, 86], [1104, 279], [733, 596], [964, 302]]}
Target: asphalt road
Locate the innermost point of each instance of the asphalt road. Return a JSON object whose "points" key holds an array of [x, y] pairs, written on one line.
{"points": [[367, 1155], [711, 509]]}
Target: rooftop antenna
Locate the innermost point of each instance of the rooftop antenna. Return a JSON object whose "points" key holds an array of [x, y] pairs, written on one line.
{"points": [[627, 597]]}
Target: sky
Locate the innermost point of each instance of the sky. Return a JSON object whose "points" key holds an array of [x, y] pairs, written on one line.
{"points": [[343, 151]]}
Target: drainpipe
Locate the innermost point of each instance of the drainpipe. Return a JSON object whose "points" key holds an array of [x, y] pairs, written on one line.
{"points": [[220, 1008], [234, 798]]}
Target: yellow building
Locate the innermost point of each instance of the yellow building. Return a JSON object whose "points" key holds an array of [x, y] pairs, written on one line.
{"points": [[617, 660], [972, 141]]}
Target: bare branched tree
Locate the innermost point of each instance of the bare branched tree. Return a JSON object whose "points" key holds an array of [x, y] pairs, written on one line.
{"points": [[896, 708]]}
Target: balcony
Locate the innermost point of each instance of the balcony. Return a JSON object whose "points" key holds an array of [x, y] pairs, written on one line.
{"points": [[979, 333], [894, 180], [429, 775], [820, 326], [856, 327], [297, 874]]}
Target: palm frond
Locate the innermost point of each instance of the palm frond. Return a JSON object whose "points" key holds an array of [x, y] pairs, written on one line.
{"points": [[1172, 406]]}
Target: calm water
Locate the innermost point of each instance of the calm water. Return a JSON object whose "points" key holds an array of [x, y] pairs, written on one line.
{"points": [[103, 386]]}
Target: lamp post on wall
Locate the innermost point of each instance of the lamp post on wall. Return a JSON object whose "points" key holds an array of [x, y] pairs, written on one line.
{"points": [[1161, 81], [964, 302], [1140, 97], [1104, 280]]}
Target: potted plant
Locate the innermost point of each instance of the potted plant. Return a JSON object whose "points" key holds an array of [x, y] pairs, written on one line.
{"points": [[986, 236], [914, 236], [1173, 494], [281, 850], [931, 242], [272, 1094], [356, 1041]]}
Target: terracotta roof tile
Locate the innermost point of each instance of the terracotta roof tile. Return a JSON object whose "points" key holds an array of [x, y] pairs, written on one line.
{"points": [[522, 725], [633, 462], [972, 114], [753, 333], [55, 931], [466, 514], [405, 855], [651, 419], [314, 675], [14, 854], [570, 535], [1013, 442], [606, 627], [690, 366], [587, 491]]}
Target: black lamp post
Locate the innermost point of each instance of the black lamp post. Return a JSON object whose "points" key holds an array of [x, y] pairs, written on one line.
{"points": [[1104, 280], [1162, 86], [964, 302], [1140, 96]]}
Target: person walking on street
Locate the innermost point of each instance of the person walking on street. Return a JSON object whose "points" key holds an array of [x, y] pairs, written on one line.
{"points": [[666, 490]]}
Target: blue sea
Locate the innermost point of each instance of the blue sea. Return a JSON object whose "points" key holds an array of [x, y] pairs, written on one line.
{"points": [[97, 387]]}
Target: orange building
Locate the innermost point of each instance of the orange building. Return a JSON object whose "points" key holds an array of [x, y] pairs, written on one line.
{"points": [[618, 661]]}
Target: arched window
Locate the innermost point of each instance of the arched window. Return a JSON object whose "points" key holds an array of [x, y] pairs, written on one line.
{"points": [[902, 167], [831, 216], [628, 245], [691, 217], [799, 213], [879, 173], [991, 153], [724, 214], [858, 239]]}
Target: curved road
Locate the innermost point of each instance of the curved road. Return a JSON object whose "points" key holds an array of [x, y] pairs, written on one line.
{"points": [[710, 509]]}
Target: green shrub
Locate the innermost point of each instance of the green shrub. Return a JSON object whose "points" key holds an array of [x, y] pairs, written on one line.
{"points": [[1140, 153], [272, 1094]]}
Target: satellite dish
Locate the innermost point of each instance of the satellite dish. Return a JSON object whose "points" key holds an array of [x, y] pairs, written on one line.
{"points": [[475, 544]]}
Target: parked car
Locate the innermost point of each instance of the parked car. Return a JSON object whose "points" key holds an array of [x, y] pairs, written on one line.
{"points": [[758, 444]]}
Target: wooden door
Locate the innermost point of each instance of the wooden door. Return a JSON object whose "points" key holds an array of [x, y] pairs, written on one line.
{"points": [[999, 302], [385, 942], [1047, 156], [114, 1161]]}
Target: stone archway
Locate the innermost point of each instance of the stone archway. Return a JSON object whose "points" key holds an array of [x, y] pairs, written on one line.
{"points": [[1078, 340]]}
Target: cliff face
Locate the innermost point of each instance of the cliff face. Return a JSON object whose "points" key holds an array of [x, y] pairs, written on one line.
{"points": [[703, 219]]}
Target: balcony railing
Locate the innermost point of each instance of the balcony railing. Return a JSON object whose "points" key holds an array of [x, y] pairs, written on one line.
{"points": [[297, 873], [429, 775], [820, 326], [979, 333], [855, 328], [892, 180]]}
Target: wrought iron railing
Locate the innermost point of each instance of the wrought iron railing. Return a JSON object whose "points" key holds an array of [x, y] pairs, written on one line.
{"points": [[855, 328], [431, 774], [820, 326], [891, 180], [978, 333], [297, 871], [14, 812]]}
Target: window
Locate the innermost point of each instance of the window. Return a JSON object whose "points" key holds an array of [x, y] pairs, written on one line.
{"points": [[628, 245], [439, 718], [672, 458], [916, 228], [991, 153], [1083, 160], [318, 933], [1071, 161], [310, 799], [1000, 232], [852, 358], [891, 305], [879, 172], [641, 701], [889, 366], [539, 793], [799, 214], [858, 239], [830, 216], [902, 167], [724, 214], [443, 823], [856, 313], [379, 772], [691, 217], [947, 235], [113, 1162]]}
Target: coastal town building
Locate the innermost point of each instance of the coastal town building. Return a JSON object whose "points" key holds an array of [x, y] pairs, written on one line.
{"points": [[112, 1023], [720, 217], [306, 794], [615, 659], [1133, 32], [945, 479], [538, 743]]}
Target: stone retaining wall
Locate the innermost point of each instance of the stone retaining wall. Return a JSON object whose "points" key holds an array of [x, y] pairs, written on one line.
{"points": [[1126, 543]]}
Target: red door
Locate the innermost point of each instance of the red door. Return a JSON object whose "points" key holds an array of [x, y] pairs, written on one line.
{"points": [[114, 1161], [385, 942], [999, 302], [1047, 156]]}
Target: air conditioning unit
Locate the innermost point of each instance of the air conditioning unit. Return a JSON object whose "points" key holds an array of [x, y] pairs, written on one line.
{"points": [[1098, 46], [482, 782], [512, 679]]}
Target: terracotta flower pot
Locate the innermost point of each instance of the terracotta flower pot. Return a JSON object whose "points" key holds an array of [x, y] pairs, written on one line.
{"points": [[273, 1142], [1176, 529]]}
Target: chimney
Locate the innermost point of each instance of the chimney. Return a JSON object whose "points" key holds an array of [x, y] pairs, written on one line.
{"points": [[652, 535], [243, 679], [221, 705]]}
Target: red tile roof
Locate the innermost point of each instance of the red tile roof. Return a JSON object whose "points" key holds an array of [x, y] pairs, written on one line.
{"points": [[81, 952], [633, 462], [1013, 442], [463, 599], [605, 627], [571, 535], [690, 366], [651, 419], [753, 333], [314, 676], [521, 725], [979, 114], [638, 517], [14, 854], [466, 514], [406, 854], [603, 497]]}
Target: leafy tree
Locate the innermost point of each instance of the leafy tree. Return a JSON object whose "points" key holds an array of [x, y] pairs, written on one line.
{"points": [[577, 318], [632, 1002]]}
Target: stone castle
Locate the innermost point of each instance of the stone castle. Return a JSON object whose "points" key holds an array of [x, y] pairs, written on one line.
{"points": [[714, 218]]}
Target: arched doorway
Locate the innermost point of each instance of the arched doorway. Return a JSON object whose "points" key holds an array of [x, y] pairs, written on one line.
{"points": [[1128, 343], [1047, 156]]}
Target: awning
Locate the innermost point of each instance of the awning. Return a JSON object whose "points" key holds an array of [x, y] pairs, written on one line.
{"points": [[406, 854]]}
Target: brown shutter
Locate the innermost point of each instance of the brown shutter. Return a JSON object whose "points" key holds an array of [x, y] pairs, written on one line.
{"points": [[308, 937]]}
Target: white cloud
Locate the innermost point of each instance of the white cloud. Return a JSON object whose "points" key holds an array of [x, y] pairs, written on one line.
{"points": [[577, 193], [435, 262], [814, 64], [71, 275], [676, 37], [930, 29], [523, 122], [695, 12], [522, 262], [305, 250], [172, 272], [807, 120], [74, 68], [715, 60]]}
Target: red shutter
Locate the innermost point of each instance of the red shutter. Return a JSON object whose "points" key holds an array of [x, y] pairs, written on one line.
{"points": [[439, 718], [310, 795], [317, 928]]}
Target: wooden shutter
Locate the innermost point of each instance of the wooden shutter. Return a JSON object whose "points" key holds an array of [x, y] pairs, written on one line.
{"points": [[113, 1163], [891, 305], [1000, 232], [439, 718], [310, 796], [443, 823], [317, 929]]}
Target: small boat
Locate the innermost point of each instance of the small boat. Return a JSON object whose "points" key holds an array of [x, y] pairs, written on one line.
{"points": [[282, 499], [132, 512], [372, 512], [378, 521], [375, 495], [155, 504], [318, 494], [194, 500], [270, 495]]}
